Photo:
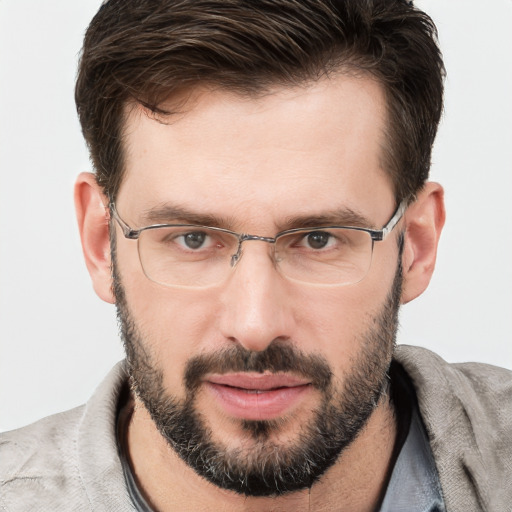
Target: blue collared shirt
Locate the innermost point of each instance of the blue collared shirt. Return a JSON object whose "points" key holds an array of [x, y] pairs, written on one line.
{"points": [[414, 485]]}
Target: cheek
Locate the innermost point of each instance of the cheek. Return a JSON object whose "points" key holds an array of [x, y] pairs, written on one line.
{"points": [[167, 317], [174, 324], [336, 322]]}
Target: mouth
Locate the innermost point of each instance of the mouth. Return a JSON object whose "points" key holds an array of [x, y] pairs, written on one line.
{"points": [[257, 396]]}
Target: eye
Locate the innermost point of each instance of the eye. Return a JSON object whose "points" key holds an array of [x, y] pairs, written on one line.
{"points": [[317, 239], [194, 240]]}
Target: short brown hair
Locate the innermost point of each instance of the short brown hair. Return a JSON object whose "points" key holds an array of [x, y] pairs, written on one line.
{"points": [[146, 50]]}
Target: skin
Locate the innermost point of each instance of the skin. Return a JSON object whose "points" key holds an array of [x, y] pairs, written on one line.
{"points": [[255, 163]]}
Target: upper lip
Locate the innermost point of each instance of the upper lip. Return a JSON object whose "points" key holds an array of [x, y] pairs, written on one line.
{"points": [[257, 381]]}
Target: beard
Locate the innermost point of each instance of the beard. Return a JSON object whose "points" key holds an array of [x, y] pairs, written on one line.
{"points": [[265, 467]]}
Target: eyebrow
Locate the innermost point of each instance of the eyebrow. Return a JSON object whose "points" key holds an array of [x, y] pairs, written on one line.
{"points": [[174, 214], [340, 217]]}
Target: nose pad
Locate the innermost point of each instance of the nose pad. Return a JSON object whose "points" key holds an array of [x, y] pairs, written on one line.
{"points": [[236, 257]]}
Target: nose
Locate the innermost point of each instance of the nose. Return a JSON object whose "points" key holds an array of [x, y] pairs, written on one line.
{"points": [[256, 301]]}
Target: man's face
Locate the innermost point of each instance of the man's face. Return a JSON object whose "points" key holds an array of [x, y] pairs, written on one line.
{"points": [[260, 382]]}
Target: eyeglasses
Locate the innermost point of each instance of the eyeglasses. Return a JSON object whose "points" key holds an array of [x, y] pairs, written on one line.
{"points": [[192, 256]]}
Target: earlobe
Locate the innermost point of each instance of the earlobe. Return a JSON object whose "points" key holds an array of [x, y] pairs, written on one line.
{"points": [[92, 215], [424, 220]]}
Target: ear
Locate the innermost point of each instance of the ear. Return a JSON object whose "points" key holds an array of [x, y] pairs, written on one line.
{"points": [[92, 213], [424, 220]]}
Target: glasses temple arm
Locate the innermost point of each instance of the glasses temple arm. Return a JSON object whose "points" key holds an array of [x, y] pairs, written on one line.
{"points": [[384, 232], [127, 230]]}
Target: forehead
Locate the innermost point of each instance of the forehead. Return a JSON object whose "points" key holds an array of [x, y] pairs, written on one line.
{"points": [[286, 152]]}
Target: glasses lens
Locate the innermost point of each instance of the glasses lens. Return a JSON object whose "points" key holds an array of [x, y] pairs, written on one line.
{"points": [[325, 256], [196, 256], [191, 256]]}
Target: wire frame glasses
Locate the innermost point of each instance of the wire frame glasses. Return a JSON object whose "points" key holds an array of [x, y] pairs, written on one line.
{"points": [[192, 256]]}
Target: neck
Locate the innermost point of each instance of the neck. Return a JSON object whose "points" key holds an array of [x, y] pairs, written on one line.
{"points": [[355, 483]]}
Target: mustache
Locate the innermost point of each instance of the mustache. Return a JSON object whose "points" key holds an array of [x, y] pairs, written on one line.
{"points": [[278, 357]]}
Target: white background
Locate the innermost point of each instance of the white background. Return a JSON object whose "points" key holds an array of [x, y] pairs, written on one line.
{"points": [[57, 339]]}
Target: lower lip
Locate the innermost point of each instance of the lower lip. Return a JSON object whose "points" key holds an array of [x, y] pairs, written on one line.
{"points": [[261, 405]]}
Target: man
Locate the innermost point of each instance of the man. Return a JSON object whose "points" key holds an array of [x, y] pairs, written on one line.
{"points": [[259, 212]]}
